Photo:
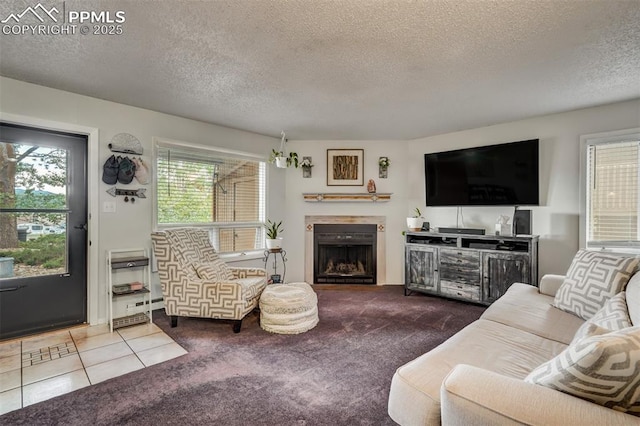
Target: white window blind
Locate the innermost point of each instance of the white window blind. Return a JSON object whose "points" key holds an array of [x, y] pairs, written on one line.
{"points": [[612, 193], [216, 190]]}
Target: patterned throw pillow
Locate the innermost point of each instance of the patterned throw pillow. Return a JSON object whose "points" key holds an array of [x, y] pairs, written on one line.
{"points": [[215, 272], [591, 280], [602, 369], [612, 316], [588, 329], [633, 298]]}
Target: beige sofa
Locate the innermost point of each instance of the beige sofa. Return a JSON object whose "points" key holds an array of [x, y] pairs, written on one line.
{"points": [[476, 377]]}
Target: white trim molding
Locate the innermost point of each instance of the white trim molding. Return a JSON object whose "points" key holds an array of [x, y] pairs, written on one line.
{"points": [[93, 135]]}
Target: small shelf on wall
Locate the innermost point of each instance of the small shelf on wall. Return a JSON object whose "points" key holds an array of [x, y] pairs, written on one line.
{"points": [[341, 197]]}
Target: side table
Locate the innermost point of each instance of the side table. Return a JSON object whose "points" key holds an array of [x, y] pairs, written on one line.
{"points": [[276, 278]]}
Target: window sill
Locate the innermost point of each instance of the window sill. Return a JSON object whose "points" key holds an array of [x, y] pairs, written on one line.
{"points": [[239, 257], [631, 250]]}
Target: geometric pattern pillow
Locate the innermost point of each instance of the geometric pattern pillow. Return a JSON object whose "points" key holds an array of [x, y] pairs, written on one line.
{"points": [[602, 369], [612, 316], [214, 272], [591, 280], [633, 298], [588, 329]]}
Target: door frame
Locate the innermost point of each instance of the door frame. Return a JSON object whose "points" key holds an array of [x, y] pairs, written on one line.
{"points": [[93, 217]]}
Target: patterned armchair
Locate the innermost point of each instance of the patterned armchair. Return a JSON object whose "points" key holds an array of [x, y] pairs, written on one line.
{"points": [[196, 283]]}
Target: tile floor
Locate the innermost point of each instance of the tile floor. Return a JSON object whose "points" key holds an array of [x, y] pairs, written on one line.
{"points": [[40, 367]]}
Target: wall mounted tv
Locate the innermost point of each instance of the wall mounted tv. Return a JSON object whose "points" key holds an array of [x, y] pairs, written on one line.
{"points": [[493, 175]]}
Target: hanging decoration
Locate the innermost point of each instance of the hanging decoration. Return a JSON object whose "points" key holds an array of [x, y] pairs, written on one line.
{"points": [[280, 157]]}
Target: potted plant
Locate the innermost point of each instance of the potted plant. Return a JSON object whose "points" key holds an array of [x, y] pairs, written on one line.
{"points": [[280, 156], [306, 165], [282, 160], [273, 241], [383, 166], [414, 223]]}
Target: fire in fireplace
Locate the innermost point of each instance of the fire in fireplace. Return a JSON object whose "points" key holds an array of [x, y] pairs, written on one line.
{"points": [[344, 253]]}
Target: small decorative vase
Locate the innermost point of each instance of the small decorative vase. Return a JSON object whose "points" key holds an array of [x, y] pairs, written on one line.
{"points": [[306, 170], [371, 186]]}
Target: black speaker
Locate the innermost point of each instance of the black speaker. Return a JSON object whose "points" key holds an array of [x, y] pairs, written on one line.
{"points": [[522, 222], [425, 226]]}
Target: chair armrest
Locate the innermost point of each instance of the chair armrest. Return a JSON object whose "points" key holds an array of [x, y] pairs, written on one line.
{"points": [[549, 284], [473, 396], [239, 272]]}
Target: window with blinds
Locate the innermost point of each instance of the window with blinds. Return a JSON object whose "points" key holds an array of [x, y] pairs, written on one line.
{"points": [[222, 192], [612, 193]]}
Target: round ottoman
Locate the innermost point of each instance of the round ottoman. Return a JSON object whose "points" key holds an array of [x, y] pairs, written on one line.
{"points": [[288, 308]]}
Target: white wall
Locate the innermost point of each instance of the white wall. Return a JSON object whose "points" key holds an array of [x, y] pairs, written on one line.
{"points": [[556, 219], [131, 225], [394, 210]]}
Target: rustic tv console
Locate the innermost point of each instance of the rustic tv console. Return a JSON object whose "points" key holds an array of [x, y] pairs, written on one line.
{"points": [[474, 268]]}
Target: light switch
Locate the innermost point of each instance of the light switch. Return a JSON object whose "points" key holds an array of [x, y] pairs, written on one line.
{"points": [[109, 207]]}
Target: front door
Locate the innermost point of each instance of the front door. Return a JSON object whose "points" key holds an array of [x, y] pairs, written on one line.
{"points": [[43, 238]]}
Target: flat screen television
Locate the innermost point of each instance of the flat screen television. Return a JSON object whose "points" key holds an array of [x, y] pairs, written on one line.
{"points": [[493, 175]]}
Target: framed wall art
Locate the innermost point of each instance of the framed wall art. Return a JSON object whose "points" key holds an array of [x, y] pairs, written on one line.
{"points": [[345, 167]]}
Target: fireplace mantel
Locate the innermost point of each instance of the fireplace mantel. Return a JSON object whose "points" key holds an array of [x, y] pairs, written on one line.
{"points": [[379, 221], [316, 197]]}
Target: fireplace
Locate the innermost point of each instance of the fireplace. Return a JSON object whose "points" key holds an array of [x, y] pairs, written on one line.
{"points": [[345, 253], [378, 251]]}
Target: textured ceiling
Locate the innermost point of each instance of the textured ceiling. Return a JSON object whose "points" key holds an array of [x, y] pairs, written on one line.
{"points": [[349, 69]]}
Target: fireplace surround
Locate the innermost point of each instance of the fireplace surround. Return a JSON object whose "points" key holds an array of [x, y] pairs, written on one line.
{"points": [[358, 253]]}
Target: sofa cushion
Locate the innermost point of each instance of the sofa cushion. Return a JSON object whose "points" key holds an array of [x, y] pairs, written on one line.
{"points": [[472, 396], [633, 298], [612, 316], [523, 307], [215, 271], [602, 369], [591, 280], [414, 397]]}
